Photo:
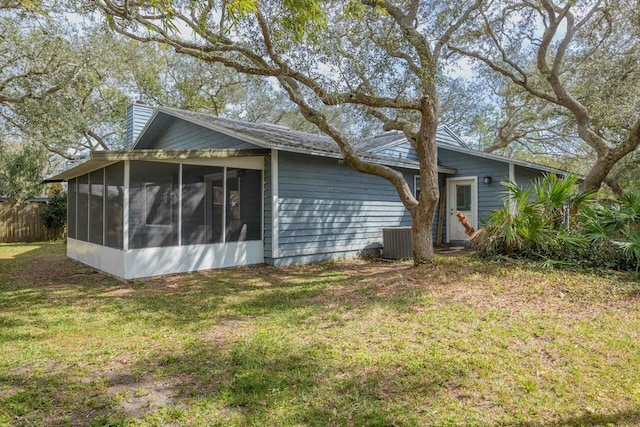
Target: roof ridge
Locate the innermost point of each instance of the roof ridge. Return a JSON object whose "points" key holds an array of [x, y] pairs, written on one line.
{"points": [[242, 122]]}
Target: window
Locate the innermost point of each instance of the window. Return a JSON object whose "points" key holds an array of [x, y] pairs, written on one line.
{"points": [[244, 205], [158, 205], [463, 197], [416, 186], [153, 204], [217, 206], [71, 208]]}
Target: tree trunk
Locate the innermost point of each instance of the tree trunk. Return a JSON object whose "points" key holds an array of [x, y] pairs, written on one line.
{"points": [[598, 173], [422, 238], [423, 214], [614, 186], [422, 217]]}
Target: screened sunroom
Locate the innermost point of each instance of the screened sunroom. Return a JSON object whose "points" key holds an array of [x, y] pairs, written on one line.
{"points": [[147, 213]]}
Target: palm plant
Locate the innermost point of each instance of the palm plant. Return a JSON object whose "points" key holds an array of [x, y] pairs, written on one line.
{"points": [[533, 219], [614, 226], [628, 223]]}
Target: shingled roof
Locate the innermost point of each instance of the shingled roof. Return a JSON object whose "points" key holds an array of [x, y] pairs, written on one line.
{"points": [[274, 135], [279, 137], [269, 136], [283, 136], [444, 137]]}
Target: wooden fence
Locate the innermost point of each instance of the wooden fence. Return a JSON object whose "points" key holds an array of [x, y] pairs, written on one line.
{"points": [[23, 223]]}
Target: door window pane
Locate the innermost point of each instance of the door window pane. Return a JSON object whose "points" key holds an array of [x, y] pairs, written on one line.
{"points": [[463, 197], [72, 193], [83, 208], [153, 204], [96, 205], [114, 175]]}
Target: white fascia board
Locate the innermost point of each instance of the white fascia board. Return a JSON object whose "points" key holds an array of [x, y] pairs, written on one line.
{"points": [[453, 135], [392, 143], [169, 155], [499, 158], [80, 168]]}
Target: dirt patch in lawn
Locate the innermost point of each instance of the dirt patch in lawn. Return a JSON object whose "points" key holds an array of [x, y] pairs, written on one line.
{"points": [[54, 272], [138, 394], [459, 341]]}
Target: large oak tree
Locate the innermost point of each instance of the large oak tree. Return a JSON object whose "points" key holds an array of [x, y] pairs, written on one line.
{"points": [[375, 58], [579, 60]]}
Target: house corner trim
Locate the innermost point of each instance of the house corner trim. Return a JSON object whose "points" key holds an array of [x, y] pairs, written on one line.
{"points": [[274, 204]]}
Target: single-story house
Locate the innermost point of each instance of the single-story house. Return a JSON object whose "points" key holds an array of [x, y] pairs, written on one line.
{"points": [[194, 191]]}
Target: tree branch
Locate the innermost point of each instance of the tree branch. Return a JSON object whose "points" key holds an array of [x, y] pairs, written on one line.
{"points": [[316, 117]]}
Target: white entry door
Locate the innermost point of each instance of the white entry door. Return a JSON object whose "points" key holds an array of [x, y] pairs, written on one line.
{"points": [[462, 196]]}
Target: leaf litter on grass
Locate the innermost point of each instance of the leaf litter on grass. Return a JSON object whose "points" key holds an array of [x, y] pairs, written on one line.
{"points": [[459, 341]]}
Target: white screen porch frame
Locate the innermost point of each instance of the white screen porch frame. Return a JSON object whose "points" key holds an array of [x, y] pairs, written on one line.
{"points": [[148, 262], [451, 194], [129, 264]]}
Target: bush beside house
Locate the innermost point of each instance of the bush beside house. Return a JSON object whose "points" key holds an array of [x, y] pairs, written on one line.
{"points": [[54, 214], [550, 220]]}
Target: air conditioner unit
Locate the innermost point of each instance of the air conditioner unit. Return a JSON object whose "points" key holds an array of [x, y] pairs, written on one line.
{"points": [[396, 242]]}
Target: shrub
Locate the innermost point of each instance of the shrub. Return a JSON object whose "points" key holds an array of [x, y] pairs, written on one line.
{"points": [[534, 219], [55, 213], [615, 227], [537, 222]]}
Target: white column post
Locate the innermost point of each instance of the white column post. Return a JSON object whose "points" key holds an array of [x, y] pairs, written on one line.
{"points": [[89, 207], [76, 210], [262, 206], [224, 205], [180, 204], [274, 204], [125, 207], [104, 206]]}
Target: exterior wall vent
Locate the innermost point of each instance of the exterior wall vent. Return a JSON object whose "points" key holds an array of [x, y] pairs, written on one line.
{"points": [[396, 243]]}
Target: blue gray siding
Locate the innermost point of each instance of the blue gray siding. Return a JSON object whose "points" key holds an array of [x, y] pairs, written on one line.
{"points": [[489, 196], [404, 150], [182, 135], [137, 117], [327, 210], [268, 217], [449, 137], [524, 175]]}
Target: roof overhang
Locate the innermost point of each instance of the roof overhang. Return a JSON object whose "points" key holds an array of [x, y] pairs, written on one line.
{"points": [[158, 123], [77, 169], [161, 119], [101, 159], [503, 159]]}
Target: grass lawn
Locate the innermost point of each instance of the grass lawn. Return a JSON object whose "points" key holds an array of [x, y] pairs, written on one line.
{"points": [[459, 342]]}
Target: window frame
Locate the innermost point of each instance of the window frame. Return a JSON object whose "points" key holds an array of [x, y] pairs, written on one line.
{"points": [[146, 206]]}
